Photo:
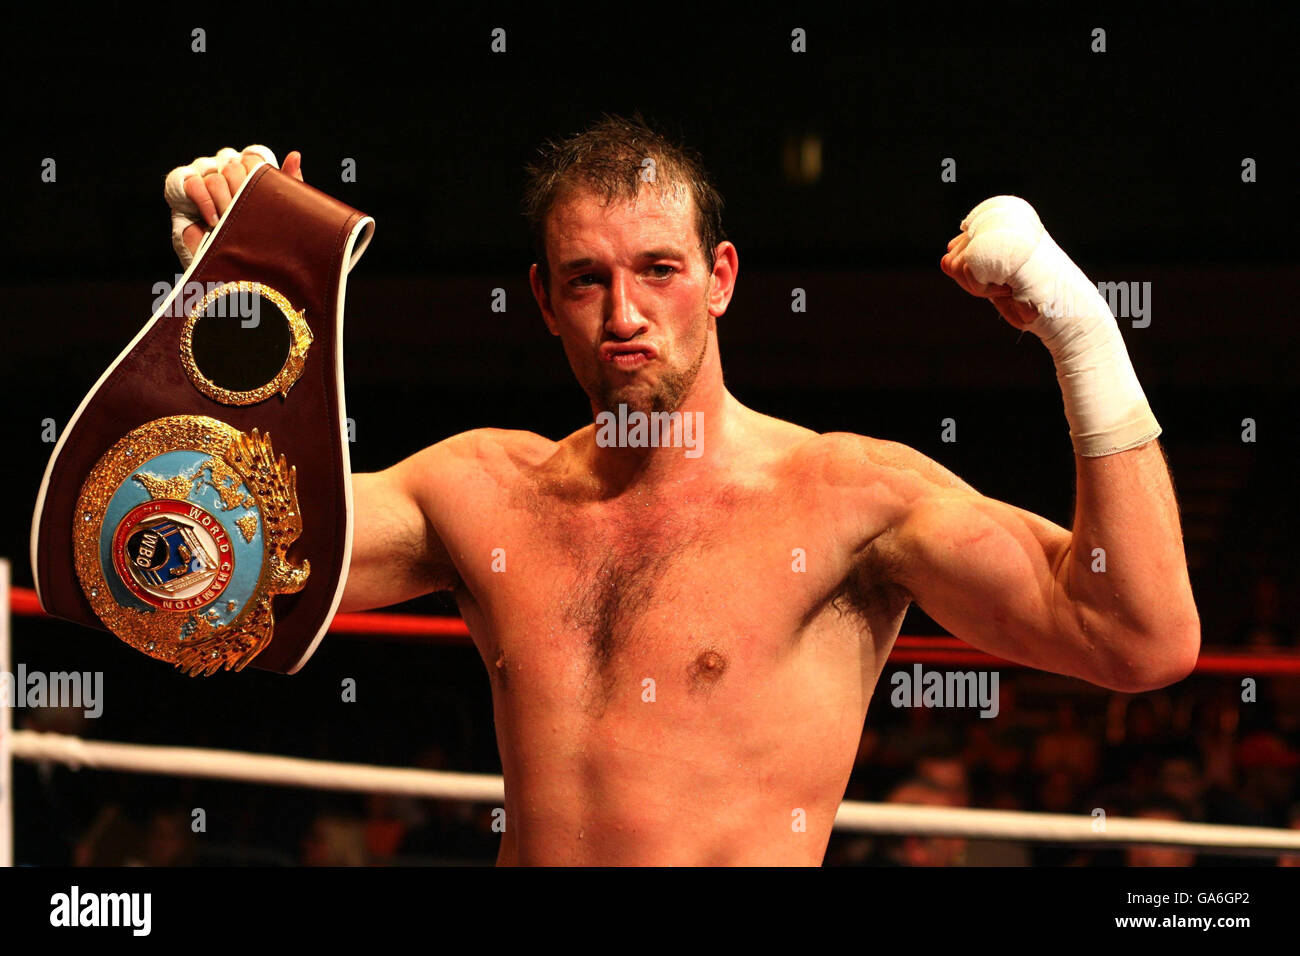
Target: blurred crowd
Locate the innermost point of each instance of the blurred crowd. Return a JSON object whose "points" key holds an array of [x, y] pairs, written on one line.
{"points": [[1196, 752], [1266, 625]]}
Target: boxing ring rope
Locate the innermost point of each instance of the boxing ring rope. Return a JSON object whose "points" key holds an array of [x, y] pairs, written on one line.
{"points": [[76, 752], [908, 649], [488, 788], [853, 816], [6, 730]]}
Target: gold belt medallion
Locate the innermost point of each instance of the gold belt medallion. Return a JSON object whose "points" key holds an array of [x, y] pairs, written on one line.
{"points": [[181, 537]]}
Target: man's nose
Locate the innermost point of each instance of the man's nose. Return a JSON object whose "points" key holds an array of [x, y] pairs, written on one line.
{"points": [[624, 319]]}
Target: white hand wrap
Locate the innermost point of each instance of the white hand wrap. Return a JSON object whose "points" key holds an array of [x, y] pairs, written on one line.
{"points": [[184, 212], [1104, 404]]}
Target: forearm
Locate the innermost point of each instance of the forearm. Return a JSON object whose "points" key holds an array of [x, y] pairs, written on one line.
{"points": [[1124, 579], [1120, 604], [1125, 574]]}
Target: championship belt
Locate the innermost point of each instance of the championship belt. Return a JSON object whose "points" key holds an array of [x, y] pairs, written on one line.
{"points": [[199, 503]]}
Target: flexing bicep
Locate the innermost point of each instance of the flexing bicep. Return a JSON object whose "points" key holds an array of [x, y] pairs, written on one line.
{"points": [[992, 574], [396, 553]]}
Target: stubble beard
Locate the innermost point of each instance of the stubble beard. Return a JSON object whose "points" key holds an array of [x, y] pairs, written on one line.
{"points": [[665, 395]]}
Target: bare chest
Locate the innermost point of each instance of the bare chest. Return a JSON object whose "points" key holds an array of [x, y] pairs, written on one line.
{"points": [[698, 598]]}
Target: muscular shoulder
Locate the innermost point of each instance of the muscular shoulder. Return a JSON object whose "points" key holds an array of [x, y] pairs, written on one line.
{"points": [[867, 488], [846, 459], [480, 456]]}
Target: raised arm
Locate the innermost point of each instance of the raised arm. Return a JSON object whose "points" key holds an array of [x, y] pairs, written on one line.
{"points": [[397, 553], [1109, 601], [1023, 588]]}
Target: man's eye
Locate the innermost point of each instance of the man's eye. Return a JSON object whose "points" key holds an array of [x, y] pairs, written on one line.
{"points": [[665, 275], [581, 280]]}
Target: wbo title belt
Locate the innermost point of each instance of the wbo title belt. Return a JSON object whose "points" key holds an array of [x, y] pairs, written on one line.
{"points": [[198, 504]]}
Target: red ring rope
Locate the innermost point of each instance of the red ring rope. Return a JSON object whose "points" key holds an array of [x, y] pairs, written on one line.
{"points": [[908, 648]]}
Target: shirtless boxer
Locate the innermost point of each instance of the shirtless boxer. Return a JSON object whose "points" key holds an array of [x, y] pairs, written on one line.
{"points": [[682, 649]]}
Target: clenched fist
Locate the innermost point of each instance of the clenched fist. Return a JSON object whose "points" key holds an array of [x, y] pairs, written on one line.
{"points": [[200, 194], [955, 263]]}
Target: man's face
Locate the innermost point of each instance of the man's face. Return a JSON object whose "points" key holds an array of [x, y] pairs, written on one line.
{"points": [[629, 297]]}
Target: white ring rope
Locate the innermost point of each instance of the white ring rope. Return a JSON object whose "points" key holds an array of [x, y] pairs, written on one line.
{"points": [[1057, 827], [6, 731], [256, 768], [488, 788]]}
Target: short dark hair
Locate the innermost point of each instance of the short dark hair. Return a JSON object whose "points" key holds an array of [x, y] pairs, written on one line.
{"points": [[608, 159]]}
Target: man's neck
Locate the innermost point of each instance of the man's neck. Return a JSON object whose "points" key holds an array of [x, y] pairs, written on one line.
{"points": [[630, 450]]}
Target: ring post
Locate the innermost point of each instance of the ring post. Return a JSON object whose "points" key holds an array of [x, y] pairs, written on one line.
{"points": [[6, 727]]}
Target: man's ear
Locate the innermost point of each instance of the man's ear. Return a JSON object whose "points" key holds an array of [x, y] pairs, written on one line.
{"points": [[722, 283], [543, 298]]}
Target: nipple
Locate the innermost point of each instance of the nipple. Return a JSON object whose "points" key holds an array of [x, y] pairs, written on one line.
{"points": [[707, 669]]}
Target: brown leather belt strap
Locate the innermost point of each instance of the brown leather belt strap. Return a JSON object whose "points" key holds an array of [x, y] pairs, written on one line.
{"points": [[295, 240]]}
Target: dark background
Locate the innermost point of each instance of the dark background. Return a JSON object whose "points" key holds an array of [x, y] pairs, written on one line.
{"points": [[1132, 158]]}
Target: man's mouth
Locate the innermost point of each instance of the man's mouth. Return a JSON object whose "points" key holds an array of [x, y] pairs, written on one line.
{"points": [[626, 358], [627, 361]]}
